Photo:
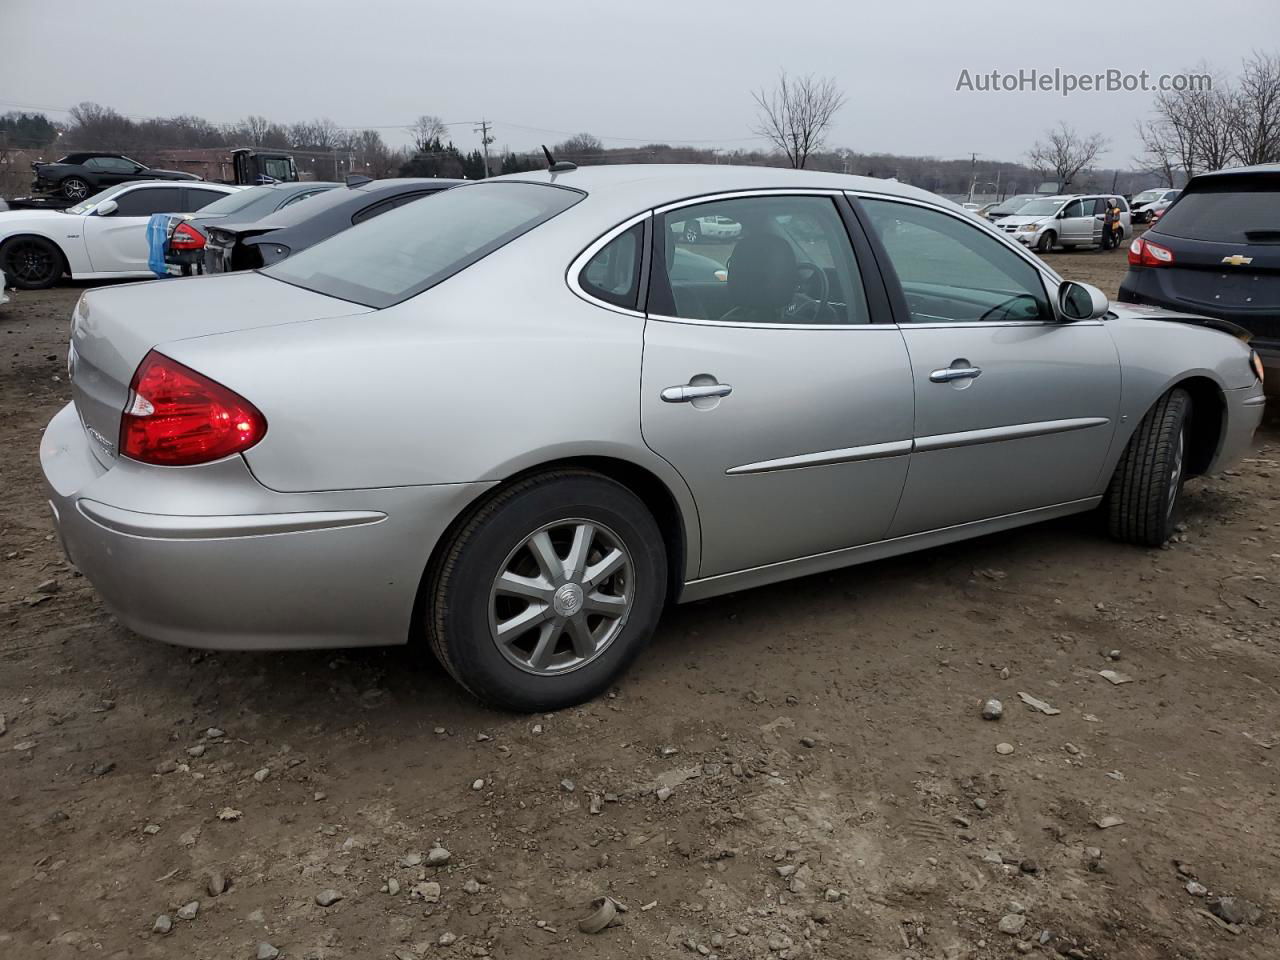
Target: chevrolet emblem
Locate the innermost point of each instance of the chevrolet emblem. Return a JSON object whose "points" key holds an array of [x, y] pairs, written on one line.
{"points": [[1237, 261]]}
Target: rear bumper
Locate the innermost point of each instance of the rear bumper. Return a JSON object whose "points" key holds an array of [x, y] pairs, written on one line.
{"points": [[208, 557]]}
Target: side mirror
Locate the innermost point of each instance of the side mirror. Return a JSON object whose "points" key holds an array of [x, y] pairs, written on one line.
{"points": [[107, 208], [1081, 301]]}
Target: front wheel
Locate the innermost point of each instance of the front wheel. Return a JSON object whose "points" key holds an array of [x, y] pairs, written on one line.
{"points": [[1144, 491], [75, 188], [548, 591], [32, 263], [1046, 241]]}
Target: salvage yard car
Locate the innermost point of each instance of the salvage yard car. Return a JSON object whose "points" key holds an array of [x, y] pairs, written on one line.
{"points": [[1149, 202], [496, 424], [246, 244], [77, 175], [1065, 221], [102, 238], [185, 235], [1217, 251]]}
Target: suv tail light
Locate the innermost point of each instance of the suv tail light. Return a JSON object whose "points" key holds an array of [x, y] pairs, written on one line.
{"points": [[186, 237], [1144, 253], [177, 417]]}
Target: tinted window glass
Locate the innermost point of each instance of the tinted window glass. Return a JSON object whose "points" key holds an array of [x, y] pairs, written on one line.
{"points": [[952, 271], [368, 213], [232, 202], [1236, 210], [113, 164], [411, 248], [143, 203], [757, 260], [298, 197], [613, 275], [198, 199], [1075, 209]]}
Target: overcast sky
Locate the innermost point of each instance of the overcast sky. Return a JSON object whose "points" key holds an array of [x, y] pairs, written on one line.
{"points": [[630, 73]]}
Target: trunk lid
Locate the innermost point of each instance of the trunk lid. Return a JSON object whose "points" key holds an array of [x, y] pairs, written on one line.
{"points": [[113, 329]]}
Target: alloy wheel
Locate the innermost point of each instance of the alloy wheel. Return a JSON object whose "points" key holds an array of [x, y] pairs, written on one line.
{"points": [[74, 189], [29, 261], [561, 597]]}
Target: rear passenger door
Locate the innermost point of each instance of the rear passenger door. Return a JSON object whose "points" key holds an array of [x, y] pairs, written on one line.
{"points": [[767, 382], [1014, 411]]}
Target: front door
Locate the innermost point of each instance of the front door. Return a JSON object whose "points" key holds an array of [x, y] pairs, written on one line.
{"points": [[767, 385], [118, 243], [1014, 410]]}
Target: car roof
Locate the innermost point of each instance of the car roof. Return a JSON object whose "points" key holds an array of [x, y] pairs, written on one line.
{"points": [[1253, 170], [655, 184], [404, 184], [89, 155]]}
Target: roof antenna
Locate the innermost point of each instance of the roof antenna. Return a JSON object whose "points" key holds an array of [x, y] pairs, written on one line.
{"points": [[557, 166]]}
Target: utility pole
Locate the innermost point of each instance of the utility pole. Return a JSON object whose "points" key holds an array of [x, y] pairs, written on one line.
{"points": [[485, 140], [973, 174]]}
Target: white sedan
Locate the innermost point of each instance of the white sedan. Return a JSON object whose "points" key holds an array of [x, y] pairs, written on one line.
{"points": [[101, 238]]}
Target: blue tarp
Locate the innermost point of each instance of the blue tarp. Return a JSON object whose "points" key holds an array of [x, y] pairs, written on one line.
{"points": [[157, 233]]}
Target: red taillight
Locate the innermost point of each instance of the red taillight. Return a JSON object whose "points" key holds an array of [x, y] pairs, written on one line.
{"points": [[186, 237], [1144, 253], [177, 417]]}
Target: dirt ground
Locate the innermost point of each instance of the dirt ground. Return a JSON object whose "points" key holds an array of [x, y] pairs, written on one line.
{"points": [[835, 791]]}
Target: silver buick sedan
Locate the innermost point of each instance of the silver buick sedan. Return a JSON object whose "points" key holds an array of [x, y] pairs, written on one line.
{"points": [[516, 420]]}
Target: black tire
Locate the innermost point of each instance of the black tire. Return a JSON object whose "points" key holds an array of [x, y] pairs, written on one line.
{"points": [[74, 188], [1046, 241], [32, 263], [458, 597], [693, 232], [1142, 500]]}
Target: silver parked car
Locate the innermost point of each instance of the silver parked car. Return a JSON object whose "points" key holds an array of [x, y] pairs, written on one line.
{"points": [[1066, 221], [502, 422]]}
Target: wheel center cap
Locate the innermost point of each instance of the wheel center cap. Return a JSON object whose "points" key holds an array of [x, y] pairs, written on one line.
{"points": [[567, 601]]}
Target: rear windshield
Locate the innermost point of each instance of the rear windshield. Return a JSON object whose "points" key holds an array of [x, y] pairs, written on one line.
{"points": [[390, 258], [1229, 209], [237, 201]]}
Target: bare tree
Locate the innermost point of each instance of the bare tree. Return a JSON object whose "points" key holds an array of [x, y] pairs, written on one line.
{"points": [[1160, 155], [426, 130], [796, 115], [319, 134], [1064, 153], [1255, 118], [254, 130], [579, 145]]}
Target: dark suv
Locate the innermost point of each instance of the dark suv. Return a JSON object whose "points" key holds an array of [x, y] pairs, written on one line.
{"points": [[1216, 251]]}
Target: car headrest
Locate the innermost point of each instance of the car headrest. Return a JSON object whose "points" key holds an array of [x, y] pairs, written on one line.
{"points": [[762, 272]]}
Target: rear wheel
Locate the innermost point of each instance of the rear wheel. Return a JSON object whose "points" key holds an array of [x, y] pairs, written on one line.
{"points": [[32, 263], [1144, 492], [548, 591], [1046, 242], [75, 188]]}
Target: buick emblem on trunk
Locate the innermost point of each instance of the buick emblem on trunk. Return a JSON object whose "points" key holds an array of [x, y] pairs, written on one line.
{"points": [[1237, 261]]}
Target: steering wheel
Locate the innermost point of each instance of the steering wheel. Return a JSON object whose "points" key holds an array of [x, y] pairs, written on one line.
{"points": [[816, 306]]}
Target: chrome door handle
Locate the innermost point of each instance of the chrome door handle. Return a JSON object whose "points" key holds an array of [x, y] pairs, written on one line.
{"points": [[689, 391], [947, 374]]}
